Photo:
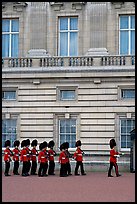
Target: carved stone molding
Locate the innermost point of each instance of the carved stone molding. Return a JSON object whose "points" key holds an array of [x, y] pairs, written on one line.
{"points": [[118, 5], [57, 5], [78, 5], [15, 6], [18, 6]]}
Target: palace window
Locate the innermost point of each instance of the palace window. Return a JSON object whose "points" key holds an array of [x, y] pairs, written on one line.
{"points": [[9, 131], [126, 125], [127, 93], [127, 35], [10, 37], [67, 131], [68, 36], [9, 95]]}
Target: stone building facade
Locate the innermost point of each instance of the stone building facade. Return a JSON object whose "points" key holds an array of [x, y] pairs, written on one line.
{"points": [[87, 92]]}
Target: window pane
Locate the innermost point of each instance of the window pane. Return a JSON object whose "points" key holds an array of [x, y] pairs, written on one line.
{"points": [[67, 135], [125, 132], [9, 95], [132, 22], [73, 44], [73, 23], [15, 26], [123, 129], [124, 42], [9, 131], [133, 42], [5, 25], [5, 45], [63, 23], [124, 22], [64, 44], [67, 95], [128, 93], [14, 45]]}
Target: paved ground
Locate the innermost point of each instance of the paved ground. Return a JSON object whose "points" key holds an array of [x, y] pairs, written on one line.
{"points": [[94, 187]]}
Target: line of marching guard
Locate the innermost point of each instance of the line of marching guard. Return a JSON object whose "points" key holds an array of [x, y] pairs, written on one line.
{"points": [[30, 157]]}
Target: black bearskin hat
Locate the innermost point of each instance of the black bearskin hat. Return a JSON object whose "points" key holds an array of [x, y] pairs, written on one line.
{"points": [[62, 146], [28, 142], [16, 143], [78, 143], [112, 143], [7, 143], [66, 145], [34, 143], [23, 143], [41, 146], [51, 144], [45, 144]]}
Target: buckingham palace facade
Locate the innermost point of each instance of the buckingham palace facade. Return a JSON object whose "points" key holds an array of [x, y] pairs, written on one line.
{"points": [[68, 73]]}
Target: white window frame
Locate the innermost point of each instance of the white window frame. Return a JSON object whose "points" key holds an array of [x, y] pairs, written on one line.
{"points": [[123, 118], [67, 88], [129, 32], [124, 98], [124, 87], [10, 33], [12, 118], [68, 31], [12, 99]]}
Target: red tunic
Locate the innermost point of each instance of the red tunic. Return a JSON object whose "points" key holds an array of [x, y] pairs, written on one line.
{"points": [[16, 152], [78, 155], [42, 157], [23, 155], [28, 153], [62, 158], [33, 154], [7, 155], [51, 154], [112, 157]]}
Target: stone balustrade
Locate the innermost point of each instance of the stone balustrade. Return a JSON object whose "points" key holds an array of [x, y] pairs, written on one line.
{"points": [[57, 61]]}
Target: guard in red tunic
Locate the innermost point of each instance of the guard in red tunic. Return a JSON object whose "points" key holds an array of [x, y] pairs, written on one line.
{"points": [[113, 158], [7, 157], [78, 156], [34, 154], [28, 155], [51, 154], [16, 153], [62, 161], [68, 155], [43, 159], [24, 158]]}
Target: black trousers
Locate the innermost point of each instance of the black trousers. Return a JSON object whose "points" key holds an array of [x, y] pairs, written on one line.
{"points": [[43, 169], [111, 166], [28, 166], [68, 167], [79, 163], [63, 170], [51, 167], [33, 167], [16, 167], [7, 167], [24, 167]]}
